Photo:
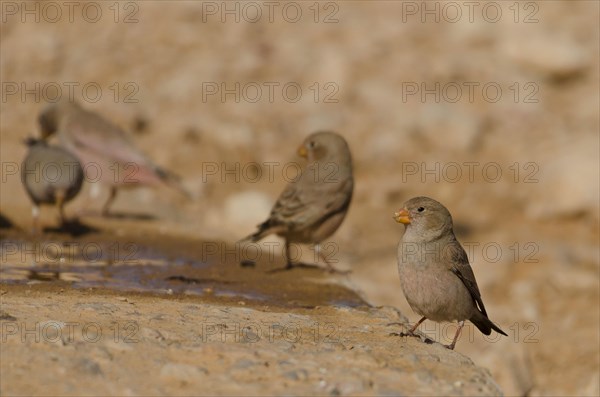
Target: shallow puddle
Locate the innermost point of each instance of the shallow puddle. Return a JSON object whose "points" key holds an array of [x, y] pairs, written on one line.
{"points": [[166, 266]]}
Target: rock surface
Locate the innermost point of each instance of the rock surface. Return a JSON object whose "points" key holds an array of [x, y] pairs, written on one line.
{"points": [[91, 342]]}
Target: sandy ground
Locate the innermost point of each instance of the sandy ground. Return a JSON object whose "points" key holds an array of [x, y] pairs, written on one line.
{"points": [[528, 210]]}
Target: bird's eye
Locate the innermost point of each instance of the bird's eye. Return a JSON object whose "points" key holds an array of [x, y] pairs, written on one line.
{"points": [[312, 144], [421, 209]]}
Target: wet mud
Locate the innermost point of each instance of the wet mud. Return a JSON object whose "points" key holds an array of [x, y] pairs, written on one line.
{"points": [[169, 266]]}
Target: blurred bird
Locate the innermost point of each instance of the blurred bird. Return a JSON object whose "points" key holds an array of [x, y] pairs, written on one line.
{"points": [[313, 205], [435, 274], [101, 145], [51, 175]]}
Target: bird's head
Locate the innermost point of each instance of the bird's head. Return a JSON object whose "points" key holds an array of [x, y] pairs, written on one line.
{"points": [[427, 217]]}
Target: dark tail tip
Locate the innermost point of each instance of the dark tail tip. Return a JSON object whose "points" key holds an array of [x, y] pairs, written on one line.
{"points": [[251, 238], [174, 181], [485, 325], [498, 330], [259, 234], [31, 141]]}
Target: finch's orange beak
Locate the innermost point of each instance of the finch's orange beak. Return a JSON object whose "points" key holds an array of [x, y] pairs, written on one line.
{"points": [[402, 216], [302, 152]]}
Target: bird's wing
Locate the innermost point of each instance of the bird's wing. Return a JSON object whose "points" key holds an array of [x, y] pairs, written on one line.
{"points": [[302, 204], [93, 133], [462, 269]]}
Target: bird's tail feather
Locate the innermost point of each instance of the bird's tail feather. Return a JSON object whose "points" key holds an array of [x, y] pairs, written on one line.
{"points": [[173, 181], [485, 325], [264, 229]]}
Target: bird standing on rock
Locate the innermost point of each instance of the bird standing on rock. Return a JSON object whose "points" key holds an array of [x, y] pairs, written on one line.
{"points": [[51, 175], [312, 206], [101, 145], [435, 274]]}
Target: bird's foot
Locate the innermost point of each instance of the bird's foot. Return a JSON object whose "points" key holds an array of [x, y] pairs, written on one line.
{"points": [[287, 267], [72, 226], [403, 334]]}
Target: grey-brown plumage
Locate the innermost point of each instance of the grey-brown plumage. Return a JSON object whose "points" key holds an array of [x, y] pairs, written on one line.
{"points": [[435, 273], [313, 206], [51, 175], [103, 147]]}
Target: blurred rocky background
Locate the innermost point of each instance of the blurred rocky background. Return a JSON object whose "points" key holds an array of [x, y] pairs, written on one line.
{"points": [[489, 107]]}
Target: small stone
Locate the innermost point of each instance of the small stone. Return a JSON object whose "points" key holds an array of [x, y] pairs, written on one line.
{"points": [[90, 366], [298, 375], [247, 263], [5, 316]]}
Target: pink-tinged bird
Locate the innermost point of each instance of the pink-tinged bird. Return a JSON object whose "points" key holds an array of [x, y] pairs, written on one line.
{"points": [[102, 148]]}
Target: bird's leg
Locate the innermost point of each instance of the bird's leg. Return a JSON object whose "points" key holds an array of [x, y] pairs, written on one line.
{"points": [[460, 326], [289, 263], [94, 192], [60, 204], [411, 332], [35, 213], [111, 198], [330, 267]]}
